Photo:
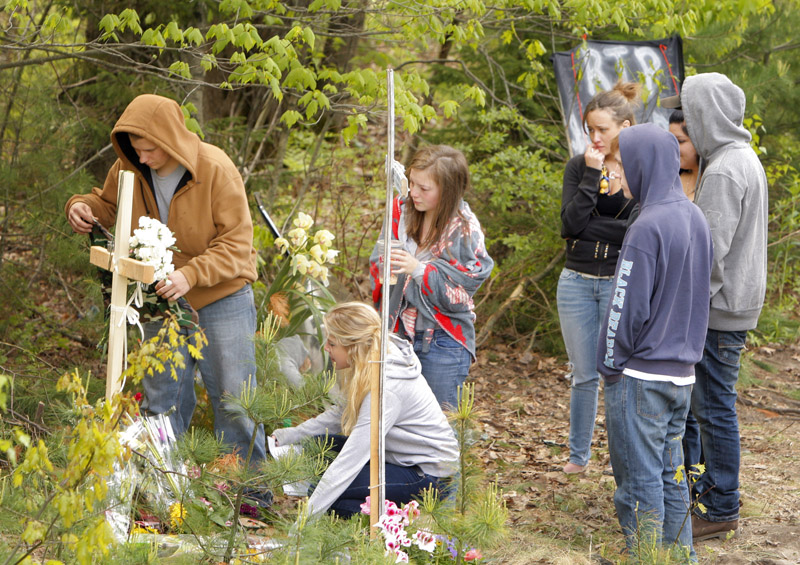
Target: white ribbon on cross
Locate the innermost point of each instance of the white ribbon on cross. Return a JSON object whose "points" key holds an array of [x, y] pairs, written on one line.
{"points": [[130, 315]]}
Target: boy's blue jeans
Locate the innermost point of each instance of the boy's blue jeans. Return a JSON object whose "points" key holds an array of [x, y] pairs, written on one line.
{"points": [[714, 408], [645, 421], [582, 303], [228, 363]]}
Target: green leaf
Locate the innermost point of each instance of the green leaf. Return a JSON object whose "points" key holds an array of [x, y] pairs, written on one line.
{"points": [[300, 77], [449, 108], [477, 95], [153, 37], [309, 37], [208, 62], [129, 19], [180, 68], [109, 24], [291, 117], [193, 35], [173, 32]]}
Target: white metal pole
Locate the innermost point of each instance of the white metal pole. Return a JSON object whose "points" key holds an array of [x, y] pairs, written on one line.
{"points": [[377, 459]]}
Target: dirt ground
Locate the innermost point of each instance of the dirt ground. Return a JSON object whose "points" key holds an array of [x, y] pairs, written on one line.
{"points": [[524, 424]]}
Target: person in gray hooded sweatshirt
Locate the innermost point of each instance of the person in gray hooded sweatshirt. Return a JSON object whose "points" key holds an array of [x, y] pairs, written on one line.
{"points": [[733, 196], [420, 447], [654, 328]]}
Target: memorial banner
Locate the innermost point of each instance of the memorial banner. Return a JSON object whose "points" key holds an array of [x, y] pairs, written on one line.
{"points": [[594, 66]]}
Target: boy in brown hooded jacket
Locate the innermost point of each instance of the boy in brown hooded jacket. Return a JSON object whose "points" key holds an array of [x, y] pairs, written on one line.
{"points": [[195, 189]]}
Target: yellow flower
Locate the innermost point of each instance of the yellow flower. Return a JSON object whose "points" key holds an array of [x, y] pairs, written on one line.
{"points": [[282, 244], [300, 263], [319, 272], [298, 237], [303, 221], [317, 253], [324, 238], [137, 529], [177, 513]]}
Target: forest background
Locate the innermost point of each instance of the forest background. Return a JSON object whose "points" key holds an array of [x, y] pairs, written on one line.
{"points": [[295, 93]]}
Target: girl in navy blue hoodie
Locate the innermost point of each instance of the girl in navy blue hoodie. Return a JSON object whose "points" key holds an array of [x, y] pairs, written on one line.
{"points": [[654, 334]]}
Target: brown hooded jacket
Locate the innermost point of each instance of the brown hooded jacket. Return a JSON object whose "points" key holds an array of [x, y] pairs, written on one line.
{"points": [[209, 213]]}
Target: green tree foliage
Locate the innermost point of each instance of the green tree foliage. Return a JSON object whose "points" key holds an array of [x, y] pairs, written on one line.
{"points": [[296, 93]]}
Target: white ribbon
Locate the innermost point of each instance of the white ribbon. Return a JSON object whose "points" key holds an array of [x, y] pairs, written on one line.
{"points": [[130, 315]]}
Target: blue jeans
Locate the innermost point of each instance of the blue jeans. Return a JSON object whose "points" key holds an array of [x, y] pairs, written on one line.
{"points": [[403, 484], [692, 450], [645, 421], [445, 366], [582, 303], [714, 407], [228, 363]]}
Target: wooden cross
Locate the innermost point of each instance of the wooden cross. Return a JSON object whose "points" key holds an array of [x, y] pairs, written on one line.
{"points": [[123, 269]]}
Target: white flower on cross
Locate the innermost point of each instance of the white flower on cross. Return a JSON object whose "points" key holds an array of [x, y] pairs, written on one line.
{"points": [[151, 243]]}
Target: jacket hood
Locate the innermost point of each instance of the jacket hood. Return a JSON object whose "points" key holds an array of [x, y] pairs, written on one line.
{"points": [[651, 161], [160, 120], [402, 362], [714, 110]]}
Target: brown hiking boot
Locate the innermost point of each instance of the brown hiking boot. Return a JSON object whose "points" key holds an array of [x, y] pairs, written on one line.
{"points": [[702, 529]]}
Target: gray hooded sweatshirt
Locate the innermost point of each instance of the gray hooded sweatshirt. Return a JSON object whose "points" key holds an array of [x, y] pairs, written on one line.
{"points": [[733, 196], [417, 431]]}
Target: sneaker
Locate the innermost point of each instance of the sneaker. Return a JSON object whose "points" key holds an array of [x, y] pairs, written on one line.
{"points": [[702, 529]]}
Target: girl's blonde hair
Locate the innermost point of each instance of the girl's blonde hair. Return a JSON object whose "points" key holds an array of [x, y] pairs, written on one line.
{"points": [[356, 327], [449, 170], [621, 102]]}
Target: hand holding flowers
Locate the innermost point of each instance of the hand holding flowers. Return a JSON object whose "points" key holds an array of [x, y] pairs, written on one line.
{"points": [[153, 244]]}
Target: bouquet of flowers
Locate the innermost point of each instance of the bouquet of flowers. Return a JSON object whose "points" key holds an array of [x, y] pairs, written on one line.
{"points": [[153, 244]]}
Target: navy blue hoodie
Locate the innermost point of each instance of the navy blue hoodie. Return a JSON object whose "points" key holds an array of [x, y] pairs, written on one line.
{"points": [[657, 318]]}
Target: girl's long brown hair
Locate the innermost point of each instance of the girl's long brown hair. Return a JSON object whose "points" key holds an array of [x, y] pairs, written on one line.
{"points": [[449, 170]]}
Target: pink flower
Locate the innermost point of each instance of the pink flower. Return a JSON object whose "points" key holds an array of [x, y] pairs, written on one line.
{"points": [[365, 507], [411, 511], [472, 555], [390, 508]]}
